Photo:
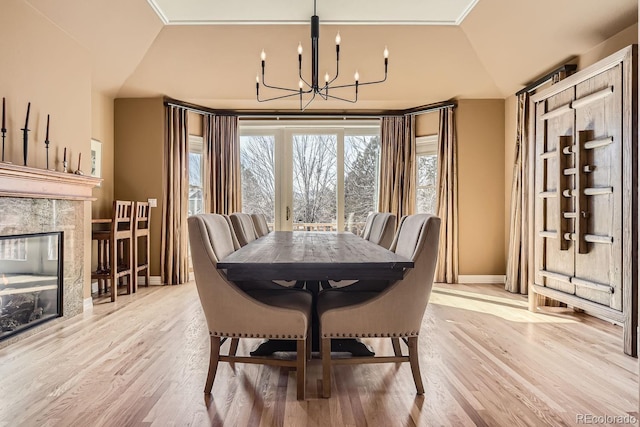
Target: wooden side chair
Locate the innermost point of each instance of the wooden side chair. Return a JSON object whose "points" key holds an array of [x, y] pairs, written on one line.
{"points": [[141, 247], [120, 245], [101, 273]]}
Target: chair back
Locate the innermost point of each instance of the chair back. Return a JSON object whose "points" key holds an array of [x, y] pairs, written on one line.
{"points": [[398, 310], [142, 219], [243, 227], [382, 229], [260, 224], [228, 310], [122, 217], [367, 225]]}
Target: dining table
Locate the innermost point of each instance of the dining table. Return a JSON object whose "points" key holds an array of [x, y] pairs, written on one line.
{"points": [[314, 258]]}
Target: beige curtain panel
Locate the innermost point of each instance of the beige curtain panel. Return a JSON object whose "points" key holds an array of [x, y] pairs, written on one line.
{"points": [[517, 267], [174, 234], [223, 189], [397, 166], [447, 202]]}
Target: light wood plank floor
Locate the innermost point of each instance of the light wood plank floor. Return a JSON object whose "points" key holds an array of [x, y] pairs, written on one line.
{"points": [[485, 361]]}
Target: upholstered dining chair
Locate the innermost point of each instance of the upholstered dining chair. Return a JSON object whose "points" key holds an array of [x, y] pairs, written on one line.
{"points": [[231, 312], [382, 229], [396, 312], [243, 227], [260, 224], [367, 225]]}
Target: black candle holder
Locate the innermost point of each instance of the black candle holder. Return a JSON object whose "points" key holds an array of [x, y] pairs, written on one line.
{"points": [[4, 133]]}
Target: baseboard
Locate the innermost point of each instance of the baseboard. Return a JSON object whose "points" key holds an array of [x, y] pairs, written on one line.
{"points": [[155, 281], [87, 304], [482, 279]]}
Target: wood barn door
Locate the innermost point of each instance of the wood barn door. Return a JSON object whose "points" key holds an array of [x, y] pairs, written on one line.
{"points": [[584, 160]]}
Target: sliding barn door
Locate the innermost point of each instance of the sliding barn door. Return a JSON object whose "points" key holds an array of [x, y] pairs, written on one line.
{"points": [[598, 234], [584, 227]]}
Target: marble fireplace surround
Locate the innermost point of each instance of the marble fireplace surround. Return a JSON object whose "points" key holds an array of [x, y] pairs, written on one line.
{"points": [[38, 200]]}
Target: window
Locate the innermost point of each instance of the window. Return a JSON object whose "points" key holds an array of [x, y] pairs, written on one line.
{"points": [[196, 175], [426, 173], [310, 175]]}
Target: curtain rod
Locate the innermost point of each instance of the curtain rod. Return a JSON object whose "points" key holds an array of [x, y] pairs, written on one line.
{"points": [[568, 68], [321, 114]]}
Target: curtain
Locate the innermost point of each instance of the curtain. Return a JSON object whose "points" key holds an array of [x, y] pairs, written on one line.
{"points": [[223, 188], [397, 166], [447, 202], [174, 234], [517, 256]]}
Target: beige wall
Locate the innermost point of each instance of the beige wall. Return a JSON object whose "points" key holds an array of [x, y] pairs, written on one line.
{"points": [[427, 123], [611, 45], [52, 71], [139, 160], [102, 130], [480, 131]]}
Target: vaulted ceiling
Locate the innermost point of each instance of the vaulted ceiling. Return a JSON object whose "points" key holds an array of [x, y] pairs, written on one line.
{"points": [[485, 49]]}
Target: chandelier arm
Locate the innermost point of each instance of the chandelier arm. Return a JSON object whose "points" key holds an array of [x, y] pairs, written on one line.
{"points": [[278, 87], [353, 101], [308, 102], [359, 84], [277, 97]]}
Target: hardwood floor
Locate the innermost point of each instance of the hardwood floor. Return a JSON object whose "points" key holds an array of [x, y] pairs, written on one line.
{"points": [[485, 360]]}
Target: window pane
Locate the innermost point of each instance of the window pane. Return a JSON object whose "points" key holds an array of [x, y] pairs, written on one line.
{"points": [[426, 172], [427, 169], [258, 175], [361, 155], [196, 202], [314, 182]]}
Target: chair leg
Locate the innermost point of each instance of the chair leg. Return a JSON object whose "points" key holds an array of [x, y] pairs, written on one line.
{"points": [[214, 356], [301, 368], [415, 364], [326, 367], [395, 342], [233, 349]]}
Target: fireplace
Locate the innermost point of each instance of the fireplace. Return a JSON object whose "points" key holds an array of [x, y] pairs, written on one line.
{"points": [[47, 203], [30, 280]]}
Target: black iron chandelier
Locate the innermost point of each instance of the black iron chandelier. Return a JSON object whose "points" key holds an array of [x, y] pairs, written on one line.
{"points": [[313, 87]]}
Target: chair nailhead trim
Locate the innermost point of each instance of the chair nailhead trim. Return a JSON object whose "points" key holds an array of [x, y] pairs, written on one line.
{"points": [[369, 335], [246, 335]]}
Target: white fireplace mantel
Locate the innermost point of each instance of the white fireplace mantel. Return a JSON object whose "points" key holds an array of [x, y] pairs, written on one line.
{"points": [[24, 181]]}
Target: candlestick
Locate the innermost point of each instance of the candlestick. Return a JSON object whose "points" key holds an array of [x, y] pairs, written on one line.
{"points": [[4, 127], [78, 171], [25, 135], [26, 121], [46, 142]]}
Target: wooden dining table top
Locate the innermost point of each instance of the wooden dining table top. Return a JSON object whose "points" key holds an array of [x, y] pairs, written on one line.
{"points": [[313, 255]]}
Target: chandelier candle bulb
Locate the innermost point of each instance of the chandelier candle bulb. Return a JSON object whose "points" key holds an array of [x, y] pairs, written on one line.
{"points": [[356, 76], [338, 39], [263, 56], [300, 48]]}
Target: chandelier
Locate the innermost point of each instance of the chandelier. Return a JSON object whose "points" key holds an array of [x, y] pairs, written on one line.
{"points": [[313, 87]]}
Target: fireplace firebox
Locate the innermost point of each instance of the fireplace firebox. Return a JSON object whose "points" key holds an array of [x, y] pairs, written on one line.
{"points": [[30, 280]]}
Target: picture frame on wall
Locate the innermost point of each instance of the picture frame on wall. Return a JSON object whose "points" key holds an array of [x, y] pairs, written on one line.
{"points": [[96, 159]]}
